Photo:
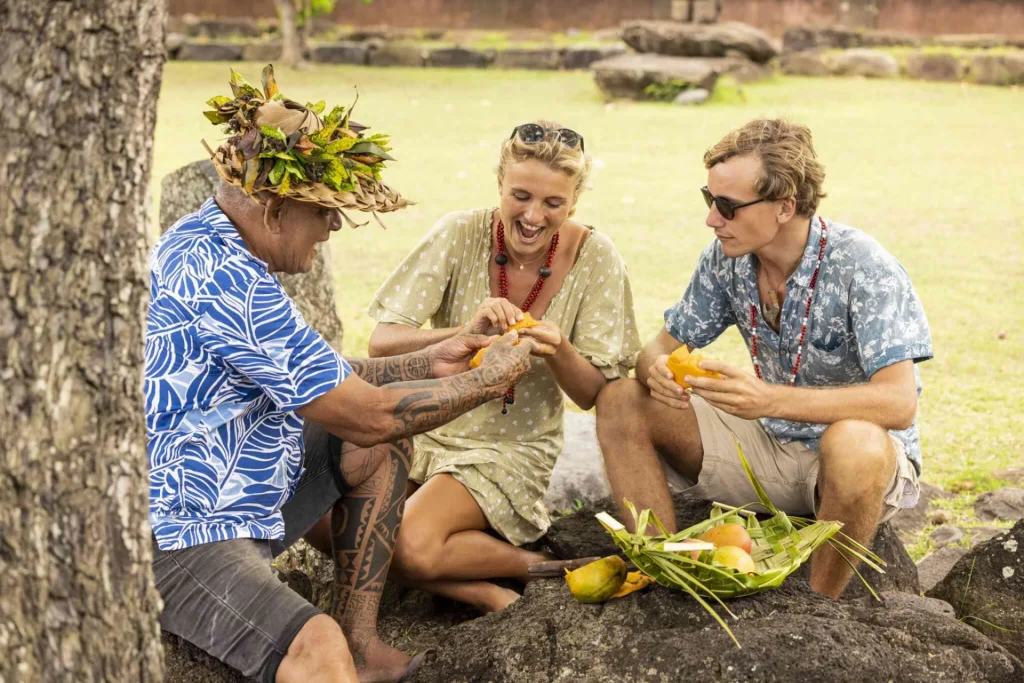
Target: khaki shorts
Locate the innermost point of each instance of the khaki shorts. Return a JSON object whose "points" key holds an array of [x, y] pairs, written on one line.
{"points": [[787, 472]]}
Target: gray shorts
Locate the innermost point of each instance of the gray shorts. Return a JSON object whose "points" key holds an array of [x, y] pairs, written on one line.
{"points": [[225, 598]]}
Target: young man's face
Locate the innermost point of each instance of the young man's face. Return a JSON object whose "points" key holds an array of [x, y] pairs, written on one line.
{"points": [[751, 227]]}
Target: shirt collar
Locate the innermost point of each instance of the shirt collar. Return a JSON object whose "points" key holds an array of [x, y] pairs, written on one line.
{"points": [[219, 223]]}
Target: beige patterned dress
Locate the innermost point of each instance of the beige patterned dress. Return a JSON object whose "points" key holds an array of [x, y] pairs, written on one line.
{"points": [[505, 461]]}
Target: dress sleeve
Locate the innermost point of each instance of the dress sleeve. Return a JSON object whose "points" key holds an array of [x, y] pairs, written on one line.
{"points": [[415, 291], [604, 331], [703, 313]]}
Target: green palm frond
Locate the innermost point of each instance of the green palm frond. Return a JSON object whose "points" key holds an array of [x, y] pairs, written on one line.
{"points": [[780, 545]]}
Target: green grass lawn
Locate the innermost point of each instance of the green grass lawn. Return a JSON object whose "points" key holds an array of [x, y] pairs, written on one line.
{"points": [[934, 171]]}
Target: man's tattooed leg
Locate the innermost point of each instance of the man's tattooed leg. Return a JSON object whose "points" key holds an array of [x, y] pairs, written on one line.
{"points": [[364, 527]]}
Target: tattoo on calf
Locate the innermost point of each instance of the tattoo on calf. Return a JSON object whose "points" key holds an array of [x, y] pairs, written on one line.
{"points": [[380, 371], [364, 528]]}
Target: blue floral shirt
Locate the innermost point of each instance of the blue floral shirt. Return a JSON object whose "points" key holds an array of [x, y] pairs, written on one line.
{"points": [[865, 316], [228, 361]]}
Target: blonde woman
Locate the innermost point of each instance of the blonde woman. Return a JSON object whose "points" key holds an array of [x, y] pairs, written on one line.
{"points": [[477, 484]]}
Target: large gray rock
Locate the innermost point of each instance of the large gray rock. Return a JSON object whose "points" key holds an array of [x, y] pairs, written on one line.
{"points": [[1005, 505], [1014, 475], [628, 75], [538, 59], [579, 535], [973, 41], [193, 51], [936, 566], [787, 634], [391, 54], [998, 69], [798, 39], [987, 585], [184, 190], [698, 40], [340, 53], [579, 473], [224, 27], [574, 58], [932, 66], [459, 57], [909, 523], [864, 62], [263, 52], [806, 63]]}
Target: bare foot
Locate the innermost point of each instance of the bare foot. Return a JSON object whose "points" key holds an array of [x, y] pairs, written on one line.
{"points": [[378, 662], [496, 599]]}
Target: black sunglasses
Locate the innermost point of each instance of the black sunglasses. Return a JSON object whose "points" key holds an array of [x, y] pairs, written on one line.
{"points": [[532, 133], [725, 207]]}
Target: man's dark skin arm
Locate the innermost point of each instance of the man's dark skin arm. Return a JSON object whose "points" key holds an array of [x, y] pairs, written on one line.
{"points": [[361, 413]]}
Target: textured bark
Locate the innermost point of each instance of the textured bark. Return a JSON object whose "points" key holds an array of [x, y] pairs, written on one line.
{"points": [[184, 191], [291, 50], [80, 84]]}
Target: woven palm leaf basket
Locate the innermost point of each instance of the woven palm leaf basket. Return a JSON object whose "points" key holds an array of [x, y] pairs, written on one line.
{"points": [[780, 544]]}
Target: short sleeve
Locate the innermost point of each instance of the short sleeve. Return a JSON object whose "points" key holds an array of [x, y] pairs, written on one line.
{"points": [[414, 292], [256, 329], [704, 312], [888, 320], [605, 328]]}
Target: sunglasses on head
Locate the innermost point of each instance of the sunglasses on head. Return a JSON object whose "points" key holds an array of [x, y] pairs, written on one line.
{"points": [[532, 133], [724, 206]]}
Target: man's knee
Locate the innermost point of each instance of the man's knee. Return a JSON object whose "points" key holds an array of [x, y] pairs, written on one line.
{"points": [[619, 400], [318, 647], [857, 456]]}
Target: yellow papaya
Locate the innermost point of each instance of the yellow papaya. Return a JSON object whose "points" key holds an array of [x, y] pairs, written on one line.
{"points": [[597, 581]]}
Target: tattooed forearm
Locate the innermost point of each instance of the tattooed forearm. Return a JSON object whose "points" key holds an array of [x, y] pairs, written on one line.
{"points": [[432, 403], [380, 371]]}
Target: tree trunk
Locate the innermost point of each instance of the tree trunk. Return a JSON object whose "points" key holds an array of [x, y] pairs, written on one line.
{"points": [[291, 51], [80, 83], [307, 25]]}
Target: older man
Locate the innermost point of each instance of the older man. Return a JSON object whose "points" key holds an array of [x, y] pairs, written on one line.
{"points": [[259, 432], [834, 329]]}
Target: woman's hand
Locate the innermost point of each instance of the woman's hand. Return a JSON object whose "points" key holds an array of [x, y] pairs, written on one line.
{"points": [[663, 386], [452, 356], [494, 313], [547, 338]]}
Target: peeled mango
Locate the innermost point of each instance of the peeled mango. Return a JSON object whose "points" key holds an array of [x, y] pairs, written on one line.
{"points": [[683, 362], [527, 321], [597, 581], [634, 581]]}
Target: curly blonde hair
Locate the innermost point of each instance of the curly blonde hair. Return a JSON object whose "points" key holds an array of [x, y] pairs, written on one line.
{"points": [[789, 164], [557, 156]]}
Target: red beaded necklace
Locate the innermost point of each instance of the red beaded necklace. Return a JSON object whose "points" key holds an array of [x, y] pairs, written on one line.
{"points": [[807, 312], [543, 274]]}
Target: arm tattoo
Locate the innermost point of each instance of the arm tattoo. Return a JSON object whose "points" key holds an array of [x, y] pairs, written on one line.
{"points": [[431, 403], [380, 371]]}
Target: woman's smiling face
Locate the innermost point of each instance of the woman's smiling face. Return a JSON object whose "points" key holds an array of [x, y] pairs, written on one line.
{"points": [[535, 202]]}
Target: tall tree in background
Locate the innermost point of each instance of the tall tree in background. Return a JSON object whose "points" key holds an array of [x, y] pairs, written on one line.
{"points": [[295, 18], [80, 81]]}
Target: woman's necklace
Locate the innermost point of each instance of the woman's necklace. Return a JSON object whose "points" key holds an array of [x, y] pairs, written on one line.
{"points": [[822, 243], [543, 274]]}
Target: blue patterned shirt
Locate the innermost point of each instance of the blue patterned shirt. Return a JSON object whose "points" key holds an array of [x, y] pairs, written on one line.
{"points": [[865, 316], [228, 361]]}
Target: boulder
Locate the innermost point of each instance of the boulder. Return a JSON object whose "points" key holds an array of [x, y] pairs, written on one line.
{"points": [[972, 41], [909, 523], [341, 52], [262, 52], [986, 587], [800, 39], [184, 190], [805, 63], [998, 69], [864, 62], [579, 535], [1014, 475], [698, 40], [537, 59], [173, 44], [787, 634], [391, 54], [926, 66], [219, 28], [946, 535], [583, 57], [934, 567], [1000, 505], [194, 51], [459, 57], [628, 75], [579, 473], [890, 39]]}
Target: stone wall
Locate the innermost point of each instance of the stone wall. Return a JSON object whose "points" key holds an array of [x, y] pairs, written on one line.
{"points": [[774, 16]]}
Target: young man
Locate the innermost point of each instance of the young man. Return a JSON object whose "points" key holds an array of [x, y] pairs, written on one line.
{"points": [[258, 430], [834, 329]]}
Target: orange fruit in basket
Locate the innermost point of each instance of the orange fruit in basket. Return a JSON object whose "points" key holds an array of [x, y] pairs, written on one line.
{"points": [[683, 362], [527, 321]]}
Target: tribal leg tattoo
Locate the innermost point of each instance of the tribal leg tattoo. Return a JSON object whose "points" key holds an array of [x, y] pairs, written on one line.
{"points": [[364, 527]]}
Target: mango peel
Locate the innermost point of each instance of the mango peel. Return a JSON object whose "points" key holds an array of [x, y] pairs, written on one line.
{"points": [[527, 321], [683, 362]]}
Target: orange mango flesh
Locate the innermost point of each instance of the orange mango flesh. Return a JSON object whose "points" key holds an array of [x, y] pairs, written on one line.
{"points": [[683, 362], [527, 321]]}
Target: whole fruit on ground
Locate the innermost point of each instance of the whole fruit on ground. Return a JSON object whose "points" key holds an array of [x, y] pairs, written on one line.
{"points": [[597, 581]]}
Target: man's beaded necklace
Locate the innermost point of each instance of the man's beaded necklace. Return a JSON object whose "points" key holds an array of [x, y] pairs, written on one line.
{"points": [[807, 312], [543, 274]]}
